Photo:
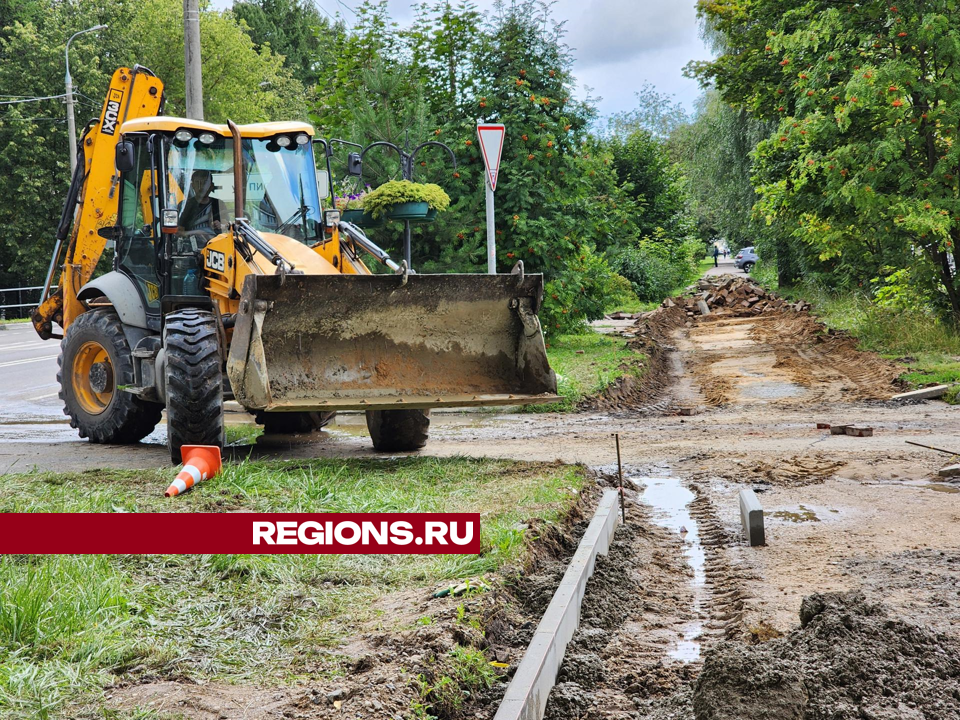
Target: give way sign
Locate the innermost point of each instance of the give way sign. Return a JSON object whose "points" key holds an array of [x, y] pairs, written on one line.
{"points": [[491, 146]]}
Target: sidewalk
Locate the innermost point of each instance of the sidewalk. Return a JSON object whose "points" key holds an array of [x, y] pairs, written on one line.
{"points": [[725, 268]]}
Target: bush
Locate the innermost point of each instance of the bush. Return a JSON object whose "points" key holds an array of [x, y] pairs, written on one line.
{"points": [[656, 268]]}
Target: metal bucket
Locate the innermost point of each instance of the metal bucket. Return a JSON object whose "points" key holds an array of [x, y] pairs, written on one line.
{"points": [[340, 342]]}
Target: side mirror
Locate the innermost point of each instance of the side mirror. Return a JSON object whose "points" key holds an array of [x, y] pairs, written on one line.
{"points": [[169, 220], [354, 165], [124, 156]]}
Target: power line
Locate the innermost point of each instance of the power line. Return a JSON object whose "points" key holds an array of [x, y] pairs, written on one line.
{"points": [[34, 99]]}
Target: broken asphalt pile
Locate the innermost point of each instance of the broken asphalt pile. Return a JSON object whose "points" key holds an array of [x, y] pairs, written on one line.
{"points": [[848, 659], [732, 296]]}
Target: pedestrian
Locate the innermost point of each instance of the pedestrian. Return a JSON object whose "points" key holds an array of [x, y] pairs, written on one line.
{"points": [[716, 255]]}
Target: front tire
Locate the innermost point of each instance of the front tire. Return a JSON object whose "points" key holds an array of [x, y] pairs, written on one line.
{"points": [[398, 430], [193, 378], [95, 362], [293, 423]]}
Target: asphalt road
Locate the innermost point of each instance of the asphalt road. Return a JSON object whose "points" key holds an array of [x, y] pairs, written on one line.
{"points": [[28, 375]]}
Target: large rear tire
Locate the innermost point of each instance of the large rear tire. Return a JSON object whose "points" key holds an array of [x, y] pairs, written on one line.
{"points": [[193, 377], [398, 430], [95, 362], [293, 423]]}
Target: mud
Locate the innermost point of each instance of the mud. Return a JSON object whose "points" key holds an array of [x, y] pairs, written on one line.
{"points": [[848, 659]]}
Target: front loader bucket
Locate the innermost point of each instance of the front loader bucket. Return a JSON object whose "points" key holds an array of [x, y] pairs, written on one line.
{"points": [[345, 342]]}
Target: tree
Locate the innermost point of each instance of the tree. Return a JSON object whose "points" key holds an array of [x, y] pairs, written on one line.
{"points": [[294, 29], [864, 164], [656, 113]]}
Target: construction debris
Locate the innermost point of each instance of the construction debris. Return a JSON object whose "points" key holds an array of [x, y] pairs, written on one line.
{"points": [[929, 393], [739, 296], [950, 471], [931, 447], [859, 431]]}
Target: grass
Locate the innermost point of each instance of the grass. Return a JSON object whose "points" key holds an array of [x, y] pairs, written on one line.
{"points": [[587, 364], [929, 348], [69, 625]]}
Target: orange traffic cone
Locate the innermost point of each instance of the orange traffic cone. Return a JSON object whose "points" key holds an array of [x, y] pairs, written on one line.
{"points": [[199, 463]]}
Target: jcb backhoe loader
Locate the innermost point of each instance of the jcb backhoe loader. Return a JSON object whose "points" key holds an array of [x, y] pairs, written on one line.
{"points": [[230, 281]]}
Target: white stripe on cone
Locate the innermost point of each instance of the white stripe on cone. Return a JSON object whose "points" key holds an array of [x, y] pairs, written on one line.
{"points": [[182, 484]]}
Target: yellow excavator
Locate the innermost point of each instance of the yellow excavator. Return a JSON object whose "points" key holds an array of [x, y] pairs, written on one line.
{"points": [[230, 280]]}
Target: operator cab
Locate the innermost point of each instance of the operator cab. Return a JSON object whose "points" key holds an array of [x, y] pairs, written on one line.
{"points": [[187, 167]]}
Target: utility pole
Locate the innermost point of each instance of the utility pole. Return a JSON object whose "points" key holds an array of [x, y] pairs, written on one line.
{"points": [[71, 123], [191, 52]]}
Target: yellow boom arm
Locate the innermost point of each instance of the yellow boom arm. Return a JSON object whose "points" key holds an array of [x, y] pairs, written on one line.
{"points": [[92, 202]]}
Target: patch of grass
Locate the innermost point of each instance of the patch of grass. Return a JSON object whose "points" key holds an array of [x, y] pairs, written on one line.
{"points": [[587, 364], [915, 338], [243, 433], [71, 624], [464, 671], [10, 321]]}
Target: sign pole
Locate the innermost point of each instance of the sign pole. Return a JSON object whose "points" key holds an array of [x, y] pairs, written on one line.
{"points": [[491, 231], [491, 146]]}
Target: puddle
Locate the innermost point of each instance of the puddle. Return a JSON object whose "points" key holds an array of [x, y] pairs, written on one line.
{"points": [[669, 499], [803, 514], [941, 487], [771, 390]]}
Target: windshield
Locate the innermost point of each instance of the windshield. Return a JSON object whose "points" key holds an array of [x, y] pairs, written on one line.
{"points": [[281, 193]]}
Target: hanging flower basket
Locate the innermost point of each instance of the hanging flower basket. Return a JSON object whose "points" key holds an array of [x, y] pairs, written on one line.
{"points": [[361, 218], [412, 211], [405, 200]]}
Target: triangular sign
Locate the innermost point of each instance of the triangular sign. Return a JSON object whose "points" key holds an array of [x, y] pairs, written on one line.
{"points": [[491, 146]]}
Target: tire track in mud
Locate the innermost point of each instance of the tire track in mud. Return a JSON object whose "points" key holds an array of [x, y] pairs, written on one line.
{"points": [[645, 619]]}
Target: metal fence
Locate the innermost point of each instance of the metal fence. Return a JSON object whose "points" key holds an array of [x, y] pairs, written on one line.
{"points": [[18, 302]]}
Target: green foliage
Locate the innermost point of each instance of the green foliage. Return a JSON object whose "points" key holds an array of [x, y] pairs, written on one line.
{"points": [[293, 29], [461, 673], [378, 201], [653, 270], [864, 165]]}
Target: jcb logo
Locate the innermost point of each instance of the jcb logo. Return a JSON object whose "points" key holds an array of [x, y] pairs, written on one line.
{"points": [[112, 114], [216, 261]]}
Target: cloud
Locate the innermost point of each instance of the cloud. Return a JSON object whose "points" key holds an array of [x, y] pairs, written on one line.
{"points": [[613, 31]]}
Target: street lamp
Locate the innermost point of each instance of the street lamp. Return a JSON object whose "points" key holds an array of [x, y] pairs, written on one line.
{"points": [[71, 124]]}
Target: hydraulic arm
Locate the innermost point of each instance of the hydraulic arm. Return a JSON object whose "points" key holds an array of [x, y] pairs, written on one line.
{"points": [[92, 201]]}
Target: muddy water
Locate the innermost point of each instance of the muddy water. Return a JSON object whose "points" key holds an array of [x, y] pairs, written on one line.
{"points": [[668, 499]]}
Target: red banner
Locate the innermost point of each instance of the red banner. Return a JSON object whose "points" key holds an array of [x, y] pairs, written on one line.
{"points": [[215, 533]]}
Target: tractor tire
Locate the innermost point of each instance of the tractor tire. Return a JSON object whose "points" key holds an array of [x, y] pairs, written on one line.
{"points": [[95, 362], [193, 378], [293, 423], [398, 430]]}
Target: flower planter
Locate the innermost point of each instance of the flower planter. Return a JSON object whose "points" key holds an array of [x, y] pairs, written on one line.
{"points": [[428, 218], [413, 211], [361, 218]]}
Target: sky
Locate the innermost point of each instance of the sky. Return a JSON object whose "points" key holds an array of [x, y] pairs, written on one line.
{"points": [[618, 45]]}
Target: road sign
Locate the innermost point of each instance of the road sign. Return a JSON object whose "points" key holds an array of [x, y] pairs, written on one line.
{"points": [[491, 146]]}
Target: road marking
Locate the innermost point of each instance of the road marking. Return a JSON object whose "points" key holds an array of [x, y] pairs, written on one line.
{"points": [[17, 346], [29, 360], [43, 397]]}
